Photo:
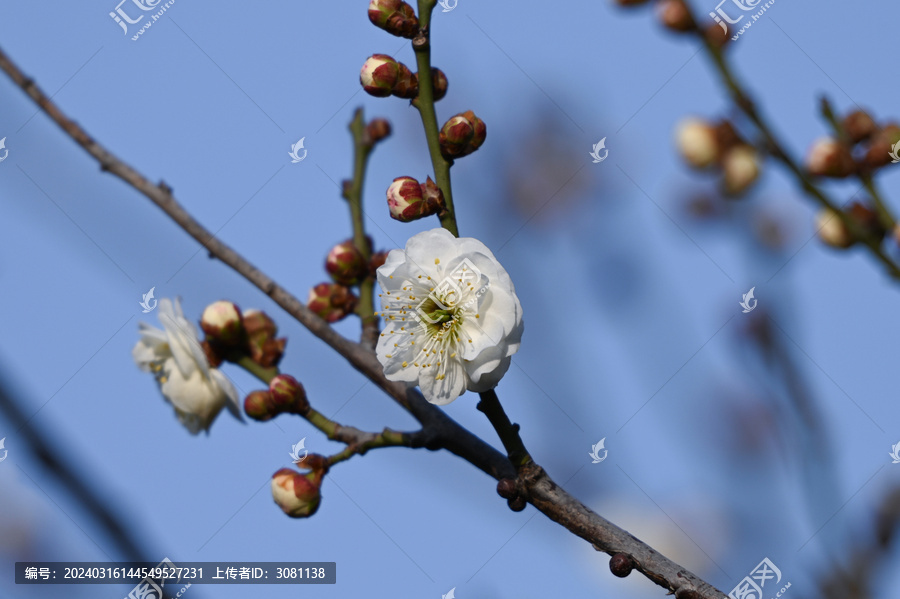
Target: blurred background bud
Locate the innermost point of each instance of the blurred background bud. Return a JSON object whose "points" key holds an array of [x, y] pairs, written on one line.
{"points": [[829, 158], [697, 142], [740, 166], [346, 264]]}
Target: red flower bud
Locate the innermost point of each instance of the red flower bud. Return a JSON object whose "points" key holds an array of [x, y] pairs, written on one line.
{"points": [[675, 15], [859, 126], [346, 264], [265, 349], [288, 395], [377, 130], [258, 405], [395, 17], [439, 83], [461, 135], [379, 75], [407, 85], [409, 200], [331, 302], [298, 495]]}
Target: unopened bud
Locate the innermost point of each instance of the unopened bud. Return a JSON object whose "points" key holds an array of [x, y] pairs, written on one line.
{"points": [[379, 75], [716, 36], [675, 15], [378, 129], [298, 495], [259, 405], [265, 349], [517, 503], [395, 17], [288, 395], [697, 142], [858, 125], [222, 323], [621, 565], [409, 200], [832, 231], [439, 83], [830, 158], [407, 85], [462, 134], [881, 147], [346, 264], [331, 301], [740, 165]]}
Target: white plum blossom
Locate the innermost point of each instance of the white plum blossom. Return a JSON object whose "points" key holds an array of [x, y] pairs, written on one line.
{"points": [[452, 317], [197, 391]]}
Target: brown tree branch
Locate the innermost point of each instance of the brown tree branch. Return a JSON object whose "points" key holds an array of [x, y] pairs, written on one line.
{"points": [[446, 433]]}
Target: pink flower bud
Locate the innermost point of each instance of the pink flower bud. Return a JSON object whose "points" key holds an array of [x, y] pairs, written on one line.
{"points": [[379, 75], [222, 323], [408, 200], [830, 158], [331, 302], [258, 405], [395, 17], [288, 395], [346, 264], [298, 495]]}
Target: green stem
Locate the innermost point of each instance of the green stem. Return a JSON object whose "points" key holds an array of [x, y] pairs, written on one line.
{"points": [[508, 432], [362, 147], [263, 374], [387, 438], [425, 103]]}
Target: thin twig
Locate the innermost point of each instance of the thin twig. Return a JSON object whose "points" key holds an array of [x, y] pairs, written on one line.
{"points": [[541, 490]]}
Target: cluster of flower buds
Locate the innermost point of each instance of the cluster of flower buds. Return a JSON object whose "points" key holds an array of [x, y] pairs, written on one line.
{"points": [[231, 334], [864, 147], [285, 395], [382, 76], [410, 200], [833, 232], [331, 301], [394, 16], [461, 135], [299, 495], [703, 144]]}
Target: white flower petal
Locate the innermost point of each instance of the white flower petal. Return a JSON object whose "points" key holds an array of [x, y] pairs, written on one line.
{"points": [[441, 391]]}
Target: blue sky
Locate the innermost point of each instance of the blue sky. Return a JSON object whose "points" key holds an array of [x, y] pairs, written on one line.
{"points": [[633, 329]]}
